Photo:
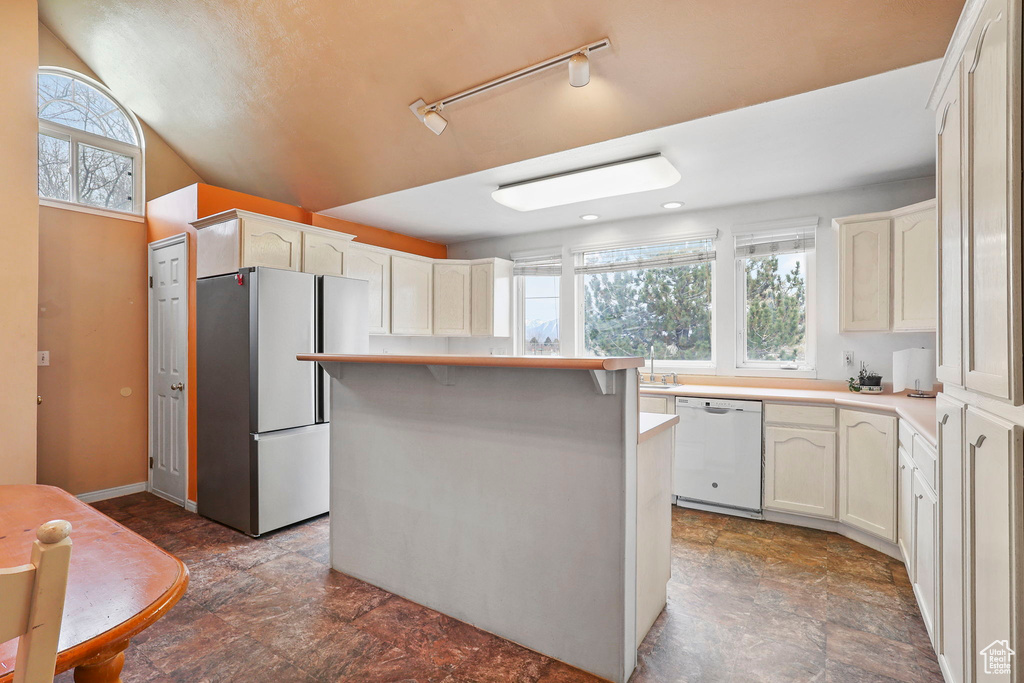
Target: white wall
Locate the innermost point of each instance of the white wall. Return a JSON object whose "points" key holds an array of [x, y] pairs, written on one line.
{"points": [[875, 349]]}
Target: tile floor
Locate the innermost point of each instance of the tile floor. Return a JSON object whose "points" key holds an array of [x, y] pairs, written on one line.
{"points": [[748, 601]]}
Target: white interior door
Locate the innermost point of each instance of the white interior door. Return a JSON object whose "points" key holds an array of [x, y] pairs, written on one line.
{"points": [[168, 332]]}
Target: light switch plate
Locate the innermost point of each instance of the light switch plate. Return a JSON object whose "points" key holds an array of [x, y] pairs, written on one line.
{"points": [[44, 358], [848, 357]]}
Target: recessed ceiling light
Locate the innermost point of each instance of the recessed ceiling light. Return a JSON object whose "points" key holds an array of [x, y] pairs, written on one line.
{"points": [[671, 205], [590, 216], [608, 180]]}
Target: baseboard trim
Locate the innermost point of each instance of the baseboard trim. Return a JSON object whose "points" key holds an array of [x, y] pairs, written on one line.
{"points": [[115, 492], [190, 505], [835, 526]]}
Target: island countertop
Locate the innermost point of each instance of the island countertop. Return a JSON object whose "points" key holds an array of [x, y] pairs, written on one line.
{"points": [[539, 362]]}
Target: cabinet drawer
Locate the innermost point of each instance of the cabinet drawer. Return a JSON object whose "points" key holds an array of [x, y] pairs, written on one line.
{"points": [[907, 434], [926, 460], [788, 413]]}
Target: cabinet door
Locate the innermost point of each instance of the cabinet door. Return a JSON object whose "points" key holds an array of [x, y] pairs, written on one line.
{"points": [[992, 264], [451, 299], [905, 517], [483, 299], [411, 294], [864, 275], [655, 404], [323, 254], [926, 542], [992, 536], [265, 243], [949, 190], [375, 268], [915, 283], [800, 471], [950, 645], [867, 472]]}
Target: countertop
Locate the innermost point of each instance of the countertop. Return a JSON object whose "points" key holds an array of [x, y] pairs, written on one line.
{"points": [[542, 362], [652, 424], [919, 412]]}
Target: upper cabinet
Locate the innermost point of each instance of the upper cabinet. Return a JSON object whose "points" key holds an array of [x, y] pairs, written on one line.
{"points": [[411, 295], [452, 292], [237, 239], [915, 287], [324, 254], [887, 271], [992, 172], [374, 266], [492, 298]]}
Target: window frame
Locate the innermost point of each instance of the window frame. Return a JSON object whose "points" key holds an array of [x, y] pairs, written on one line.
{"points": [[694, 367], [519, 317], [776, 368], [77, 137]]}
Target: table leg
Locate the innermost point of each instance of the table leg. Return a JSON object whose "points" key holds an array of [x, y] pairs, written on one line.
{"points": [[104, 668]]}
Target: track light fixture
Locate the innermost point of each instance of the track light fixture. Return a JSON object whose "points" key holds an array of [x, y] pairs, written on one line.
{"points": [[579, 75]]}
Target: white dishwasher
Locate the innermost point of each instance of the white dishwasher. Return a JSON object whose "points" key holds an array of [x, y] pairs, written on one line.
{"points": [[718, 459]]}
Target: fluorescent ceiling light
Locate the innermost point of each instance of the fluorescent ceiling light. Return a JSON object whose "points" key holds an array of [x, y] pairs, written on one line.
{"points": [[671, 205], [590, 216], [610, 180]]}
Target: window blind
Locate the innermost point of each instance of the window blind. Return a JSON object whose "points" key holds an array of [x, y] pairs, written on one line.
{"points": [[790, 240], [645, 258], [540, 265]]}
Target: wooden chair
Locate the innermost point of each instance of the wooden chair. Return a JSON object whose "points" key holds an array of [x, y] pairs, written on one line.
{"points": [[33, 603]]}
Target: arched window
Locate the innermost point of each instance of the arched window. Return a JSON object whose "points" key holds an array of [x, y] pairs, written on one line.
{"points": [[90, 147]]}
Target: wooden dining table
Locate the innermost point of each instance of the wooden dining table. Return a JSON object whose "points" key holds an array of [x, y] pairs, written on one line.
{"points": [[119, 583]]}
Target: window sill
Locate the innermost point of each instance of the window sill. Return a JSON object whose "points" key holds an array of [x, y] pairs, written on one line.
{"points": [[753, 371], [96, 211]]}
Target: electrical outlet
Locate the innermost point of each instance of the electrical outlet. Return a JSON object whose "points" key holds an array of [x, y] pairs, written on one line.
{"points": [[44, 358], [848, 357]]}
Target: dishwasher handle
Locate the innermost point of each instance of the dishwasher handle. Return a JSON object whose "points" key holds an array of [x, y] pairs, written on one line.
{"points": [[716, 411]]}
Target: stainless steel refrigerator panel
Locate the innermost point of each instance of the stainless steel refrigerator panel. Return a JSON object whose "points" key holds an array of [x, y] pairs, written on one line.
{"points": [[344, 327], [294, 476], [286, 326]]}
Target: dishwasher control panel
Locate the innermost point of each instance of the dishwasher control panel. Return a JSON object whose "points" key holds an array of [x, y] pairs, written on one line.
{"points": [[719, 403]]}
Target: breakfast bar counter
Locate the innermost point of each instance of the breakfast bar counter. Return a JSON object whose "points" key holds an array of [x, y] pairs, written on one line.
{"points": [[501, 491]]}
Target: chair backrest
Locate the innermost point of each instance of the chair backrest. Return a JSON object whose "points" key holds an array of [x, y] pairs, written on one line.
{"points": [[33, 603]]}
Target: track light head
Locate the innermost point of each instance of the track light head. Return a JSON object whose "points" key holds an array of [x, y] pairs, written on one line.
{"points": [[434, 121], [579, 70]]}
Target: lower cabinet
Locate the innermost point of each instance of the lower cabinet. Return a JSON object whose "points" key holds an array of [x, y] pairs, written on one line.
{"points": [[905, 524], [926, 544], [800, 471], [950, 641], [657, 404], [867, 472]]}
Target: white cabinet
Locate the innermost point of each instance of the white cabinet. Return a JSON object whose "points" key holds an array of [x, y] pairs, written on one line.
{"points": [[864, 275], [375, 267], [452, 293], [949, 191], [926, 542], [915, 287], [950, 640], [491, 298], [992, 264], [324, 253], [800, 471], [993, 476], [237, 239], [411, 295], [867, 472], [905, 517]]}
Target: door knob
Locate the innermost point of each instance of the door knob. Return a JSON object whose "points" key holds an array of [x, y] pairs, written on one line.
{"points": [[179, 386]]}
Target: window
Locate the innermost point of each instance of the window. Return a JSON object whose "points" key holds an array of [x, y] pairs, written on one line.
{"points": [[773, 277], [538, 322], [646, 300], [90, 149]]}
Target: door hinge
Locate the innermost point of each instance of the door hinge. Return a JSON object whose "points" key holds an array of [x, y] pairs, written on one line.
{"points": [[151, 462], [151, 282]]}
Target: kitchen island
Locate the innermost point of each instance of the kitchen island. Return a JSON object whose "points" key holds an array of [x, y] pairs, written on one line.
{"points": [[501, 491]]}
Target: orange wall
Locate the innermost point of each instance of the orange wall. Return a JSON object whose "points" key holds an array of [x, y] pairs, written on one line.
{"points": [[172, 213], [19, 234], [92, 320]]}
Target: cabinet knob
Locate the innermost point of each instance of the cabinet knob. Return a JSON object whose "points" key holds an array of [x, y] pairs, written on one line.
{"points": [[945, 418], [903, 467], [920, 496], [980, 440]]}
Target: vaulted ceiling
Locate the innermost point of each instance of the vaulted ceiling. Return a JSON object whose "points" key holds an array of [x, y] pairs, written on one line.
{"points": [[306, 101]]}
